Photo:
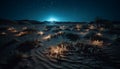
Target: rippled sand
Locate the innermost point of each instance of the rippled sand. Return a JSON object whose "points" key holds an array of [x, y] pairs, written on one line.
{"points": [[49, 47]]}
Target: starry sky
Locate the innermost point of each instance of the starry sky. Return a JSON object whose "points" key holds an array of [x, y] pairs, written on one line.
{"points": [[61, 10]]}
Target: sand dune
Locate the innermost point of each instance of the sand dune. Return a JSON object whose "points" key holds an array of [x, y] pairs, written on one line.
{"points": [[59, 46]]}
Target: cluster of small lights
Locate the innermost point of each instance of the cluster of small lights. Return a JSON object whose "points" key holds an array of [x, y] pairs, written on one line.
{"points": [[57, 51]]}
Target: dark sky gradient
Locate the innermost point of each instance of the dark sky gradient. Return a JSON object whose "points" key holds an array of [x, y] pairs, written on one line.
{"points": [[63, 10]]}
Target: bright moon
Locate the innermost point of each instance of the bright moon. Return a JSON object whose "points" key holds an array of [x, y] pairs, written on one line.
{"points": [[52, 19]]}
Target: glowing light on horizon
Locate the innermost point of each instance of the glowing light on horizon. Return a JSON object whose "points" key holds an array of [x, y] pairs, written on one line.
{"points": [[52, 19]]}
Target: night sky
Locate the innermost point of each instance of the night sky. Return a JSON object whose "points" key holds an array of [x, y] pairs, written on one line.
{"points": [[61, 10]]}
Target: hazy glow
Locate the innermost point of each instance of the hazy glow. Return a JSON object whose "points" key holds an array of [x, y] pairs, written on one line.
{"points": [[52, 19]]}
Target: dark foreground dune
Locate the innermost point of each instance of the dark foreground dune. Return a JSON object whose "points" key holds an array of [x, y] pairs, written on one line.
{"points": [[44, 45]]}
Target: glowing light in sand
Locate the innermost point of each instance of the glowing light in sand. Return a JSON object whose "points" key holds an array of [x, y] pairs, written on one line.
{"points": [[78, 26], [63, 27], [47, 37], [99, 34], [92, 27], [57, 51], [60, 32], [40, 33], [12, 29], [3, 33], [101, 29], [21, 33], [97, 43]]}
